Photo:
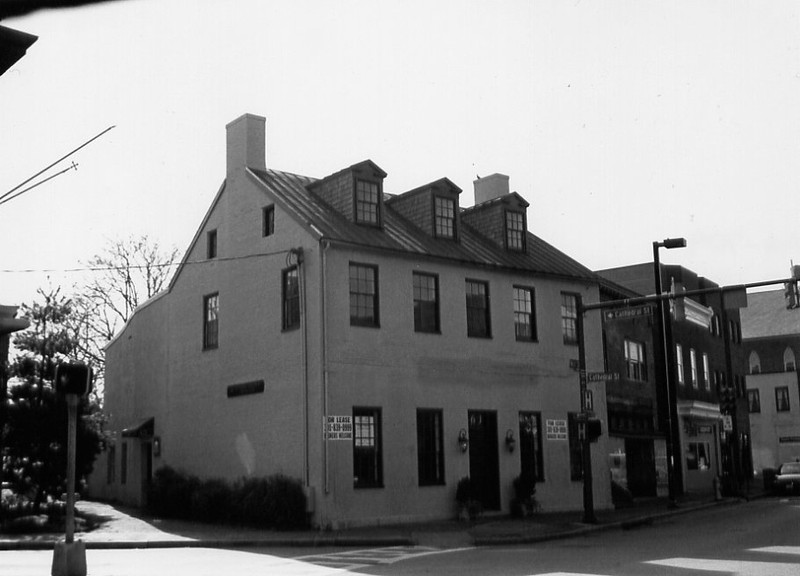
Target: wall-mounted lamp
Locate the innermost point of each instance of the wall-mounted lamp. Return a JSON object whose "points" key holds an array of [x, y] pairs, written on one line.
{"points": [[463, 441], [157, 446], [510, 440]]}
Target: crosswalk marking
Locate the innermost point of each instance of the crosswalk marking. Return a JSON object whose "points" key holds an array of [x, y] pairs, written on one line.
{"points": [[738, 567], [795, 550], [354, 559]]}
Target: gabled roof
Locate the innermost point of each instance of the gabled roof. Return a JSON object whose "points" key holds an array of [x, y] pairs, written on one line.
{"points": [[398, 235], [766, 316]]}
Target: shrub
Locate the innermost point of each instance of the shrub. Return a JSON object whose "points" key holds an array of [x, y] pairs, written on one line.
{"points": [[170, 493], [274, 502], [211, 501]]}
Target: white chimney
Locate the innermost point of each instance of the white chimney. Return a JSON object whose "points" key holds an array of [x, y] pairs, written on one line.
{"points": [[247, 143], [490, 187]]}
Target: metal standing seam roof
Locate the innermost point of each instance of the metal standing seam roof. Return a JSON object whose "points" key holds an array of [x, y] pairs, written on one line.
{"points": [[399, 235]]}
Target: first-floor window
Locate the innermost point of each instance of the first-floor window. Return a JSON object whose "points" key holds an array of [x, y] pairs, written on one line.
{"points": [[123, 464], [753, 401], [530, 446], [698, 456], [575, 448], [782, 399], [430, 447], [367, 456]]}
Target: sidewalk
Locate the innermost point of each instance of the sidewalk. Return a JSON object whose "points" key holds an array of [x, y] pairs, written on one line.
{"points": [[119, 527]]}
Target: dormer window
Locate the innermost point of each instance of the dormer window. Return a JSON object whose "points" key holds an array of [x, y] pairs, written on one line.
{"points": [[515, 230], [444, 215], [367, 195]]}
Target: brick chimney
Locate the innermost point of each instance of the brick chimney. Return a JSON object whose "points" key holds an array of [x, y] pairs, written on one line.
{"points": [[246, 143], [490, 187]]}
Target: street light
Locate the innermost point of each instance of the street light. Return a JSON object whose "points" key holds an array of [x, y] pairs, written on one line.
{"points": [[671, 403]]}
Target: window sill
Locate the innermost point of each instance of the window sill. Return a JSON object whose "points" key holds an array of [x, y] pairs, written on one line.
{"points": [[367, 486]]}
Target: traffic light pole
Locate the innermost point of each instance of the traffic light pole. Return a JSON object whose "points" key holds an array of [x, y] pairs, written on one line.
{"points": [[583, 434]]}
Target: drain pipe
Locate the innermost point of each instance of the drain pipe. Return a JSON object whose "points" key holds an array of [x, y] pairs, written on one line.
{"points": [[324, 245]]}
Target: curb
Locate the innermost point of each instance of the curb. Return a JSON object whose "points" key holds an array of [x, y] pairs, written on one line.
{"points": [[343, 540], [628, 524]]}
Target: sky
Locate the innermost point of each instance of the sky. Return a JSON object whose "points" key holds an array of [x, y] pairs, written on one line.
{"points": [[620, 122]]}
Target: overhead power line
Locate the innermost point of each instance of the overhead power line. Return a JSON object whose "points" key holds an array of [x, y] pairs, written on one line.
{"points": [[138, 266], [4, 198]]}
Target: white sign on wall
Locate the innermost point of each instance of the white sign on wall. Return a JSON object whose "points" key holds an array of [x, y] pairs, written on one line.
{"points": [[556, 429], [339, 428]]}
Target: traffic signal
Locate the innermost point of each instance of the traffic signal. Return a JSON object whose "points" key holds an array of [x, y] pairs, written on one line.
{"points": [[594, 429], [73, 378], [790, 289]]}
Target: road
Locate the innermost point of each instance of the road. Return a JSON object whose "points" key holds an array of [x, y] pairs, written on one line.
{"points": [[760, 538]]}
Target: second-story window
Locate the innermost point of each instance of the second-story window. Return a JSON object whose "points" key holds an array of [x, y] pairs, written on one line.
{"points": [[679, 363], [268, 221], [515, 230], [211, 321], [478, 320], [290, 299], [634, 360], [569, 318], [706, 373], [211, 244], [367, 197], [363, 295], [426, 302], [524, 314], [753, 401], [693, 366], [782, 399], [444, 214]]}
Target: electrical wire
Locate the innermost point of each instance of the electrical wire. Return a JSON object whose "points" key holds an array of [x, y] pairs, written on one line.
{"points": [[139, 266]]}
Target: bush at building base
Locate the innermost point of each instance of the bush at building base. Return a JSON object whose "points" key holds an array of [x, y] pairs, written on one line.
{"points": [[273, 502]]}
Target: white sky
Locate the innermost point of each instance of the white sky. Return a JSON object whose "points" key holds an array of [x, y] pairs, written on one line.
{"points": [[621, 122]]}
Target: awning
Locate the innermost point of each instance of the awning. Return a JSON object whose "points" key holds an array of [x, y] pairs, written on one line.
{"points": [[143, 429]]}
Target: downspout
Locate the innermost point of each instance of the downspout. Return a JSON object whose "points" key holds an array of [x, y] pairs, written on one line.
{"points": [[324, 245], [298, 254]]}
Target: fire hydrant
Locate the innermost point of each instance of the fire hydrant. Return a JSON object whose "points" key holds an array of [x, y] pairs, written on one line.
{"points": [[717, 488]]}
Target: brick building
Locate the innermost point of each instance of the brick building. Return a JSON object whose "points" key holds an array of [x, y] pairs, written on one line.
{"points": [[771, 335], [707, 362]]}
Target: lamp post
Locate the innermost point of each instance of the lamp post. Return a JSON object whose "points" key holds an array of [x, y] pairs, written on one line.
{"points": [[664, 347]]}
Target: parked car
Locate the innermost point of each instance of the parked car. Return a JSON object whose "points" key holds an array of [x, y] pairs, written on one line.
{"points": [[788, 477]]}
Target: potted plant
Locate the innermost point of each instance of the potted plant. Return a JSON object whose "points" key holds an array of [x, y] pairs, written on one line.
{"points": [[524, 503], [468, 507]]}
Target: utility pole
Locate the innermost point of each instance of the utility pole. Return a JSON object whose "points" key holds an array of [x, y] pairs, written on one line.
{"points": [[583, 419]]}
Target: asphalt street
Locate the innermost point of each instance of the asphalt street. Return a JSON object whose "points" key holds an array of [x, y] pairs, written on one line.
{"points": [[759, 538]]}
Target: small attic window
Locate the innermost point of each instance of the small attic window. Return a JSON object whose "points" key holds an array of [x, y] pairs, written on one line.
{"points": [[444, 216], [515, 230], [367, 202], [211, 244]]}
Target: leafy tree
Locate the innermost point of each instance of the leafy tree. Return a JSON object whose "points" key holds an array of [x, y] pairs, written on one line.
{"points": [[35, 430], [125, 274]]}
